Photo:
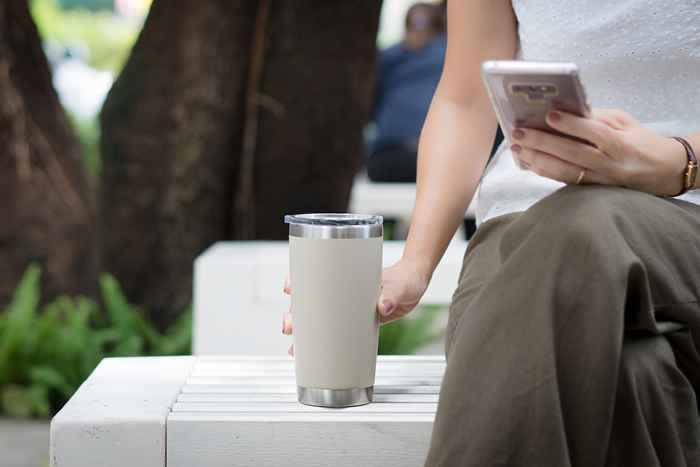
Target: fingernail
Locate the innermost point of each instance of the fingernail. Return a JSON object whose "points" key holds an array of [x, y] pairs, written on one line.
{"points": [[554, 116], [387, 307], [518, 134], [516, 148]]}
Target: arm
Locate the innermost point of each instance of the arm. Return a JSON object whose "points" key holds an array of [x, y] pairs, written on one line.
{"points": [[460, 127]]}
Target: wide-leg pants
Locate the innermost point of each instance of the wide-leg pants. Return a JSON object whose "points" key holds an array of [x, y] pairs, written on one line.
{"points": [[573, 337]]}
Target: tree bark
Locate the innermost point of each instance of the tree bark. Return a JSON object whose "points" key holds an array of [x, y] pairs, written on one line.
{"points": [[172, 132], [319, 72], [46, 213], [168, 128]]}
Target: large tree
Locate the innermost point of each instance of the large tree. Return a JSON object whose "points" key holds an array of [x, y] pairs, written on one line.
{"points": [[226, 116], [46, 216]]}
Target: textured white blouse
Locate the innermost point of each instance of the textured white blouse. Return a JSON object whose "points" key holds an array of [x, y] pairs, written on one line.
{"points": [[641, 56]]}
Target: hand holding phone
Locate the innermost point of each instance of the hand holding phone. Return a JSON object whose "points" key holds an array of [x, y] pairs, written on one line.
{"points": [[522, 93]]}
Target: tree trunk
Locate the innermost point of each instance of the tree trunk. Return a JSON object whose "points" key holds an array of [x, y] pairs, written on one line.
{"points": [[319, 72], [173, 131], [169, 125], [46, 213]]}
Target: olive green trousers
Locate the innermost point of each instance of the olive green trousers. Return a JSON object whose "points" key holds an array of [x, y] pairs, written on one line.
{"points": [[573, 337]]}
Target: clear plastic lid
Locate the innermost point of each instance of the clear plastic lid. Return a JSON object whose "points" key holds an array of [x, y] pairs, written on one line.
{"points": [[334, 225], [335, 219]]}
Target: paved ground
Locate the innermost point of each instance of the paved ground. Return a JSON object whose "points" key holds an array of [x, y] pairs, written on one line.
{"points": [[24, 443]]}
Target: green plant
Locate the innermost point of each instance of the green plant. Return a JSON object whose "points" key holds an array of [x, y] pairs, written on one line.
{"points": [[45, 356], [405, 336]]}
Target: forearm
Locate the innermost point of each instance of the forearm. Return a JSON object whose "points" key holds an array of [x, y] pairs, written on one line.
{"points": [[453, 150], [459, 130]]}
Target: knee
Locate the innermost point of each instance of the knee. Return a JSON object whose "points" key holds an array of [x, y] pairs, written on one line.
{"points": [[578, 215]]}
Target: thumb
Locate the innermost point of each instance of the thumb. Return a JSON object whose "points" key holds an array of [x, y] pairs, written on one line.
{"points": [[386, 305]]}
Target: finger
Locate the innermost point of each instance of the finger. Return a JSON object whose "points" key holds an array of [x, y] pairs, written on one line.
{"points": [[596, 132], [287, 286], [615, 118], [549, 166], [519, 162], [387, 319], [385, 306], [574, 151], [287, 327], [290, 351]]}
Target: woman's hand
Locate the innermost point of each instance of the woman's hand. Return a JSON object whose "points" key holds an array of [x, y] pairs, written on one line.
{"points": [[402, 288], [403, 285], [612, 149]]}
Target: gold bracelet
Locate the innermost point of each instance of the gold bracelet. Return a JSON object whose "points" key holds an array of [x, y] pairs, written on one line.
{"points": [[691, 169]]}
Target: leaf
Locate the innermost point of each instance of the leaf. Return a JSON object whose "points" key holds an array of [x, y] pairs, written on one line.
{"points": [[51, 378], [117, 307], [44, 357], [406, 335], [18, 330], [128, 319], [177, 339]]}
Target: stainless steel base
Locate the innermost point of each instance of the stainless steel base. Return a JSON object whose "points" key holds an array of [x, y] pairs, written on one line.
{"points": [[335, 397]]}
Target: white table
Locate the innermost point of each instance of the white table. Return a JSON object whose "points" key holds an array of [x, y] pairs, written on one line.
{"points": [[242, 411]]}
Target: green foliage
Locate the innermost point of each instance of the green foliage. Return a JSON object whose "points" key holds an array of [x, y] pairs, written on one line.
{"points": [[108, 41], [45, 355], [405, 336]]}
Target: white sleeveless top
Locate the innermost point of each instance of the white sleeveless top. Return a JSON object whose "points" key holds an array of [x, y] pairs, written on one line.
{"points": [[642, 56]]}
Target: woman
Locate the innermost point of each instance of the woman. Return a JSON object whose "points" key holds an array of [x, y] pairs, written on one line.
{"points": [[574, 330]]}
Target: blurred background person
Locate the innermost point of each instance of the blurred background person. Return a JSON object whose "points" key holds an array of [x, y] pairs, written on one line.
{"points": [[407, 75]]}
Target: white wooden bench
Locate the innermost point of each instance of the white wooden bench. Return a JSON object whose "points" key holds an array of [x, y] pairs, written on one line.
{"points": [[242, 411], [238, 299], [391, 200]]}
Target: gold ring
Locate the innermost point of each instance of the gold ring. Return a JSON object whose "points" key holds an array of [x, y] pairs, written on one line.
{"points": [[580, 176]]}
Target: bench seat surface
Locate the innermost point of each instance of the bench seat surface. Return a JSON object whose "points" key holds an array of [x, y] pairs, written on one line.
{"points": [[243, 411]]}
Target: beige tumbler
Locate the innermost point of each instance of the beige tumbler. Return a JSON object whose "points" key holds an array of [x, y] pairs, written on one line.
{"points": [[335, 263]]}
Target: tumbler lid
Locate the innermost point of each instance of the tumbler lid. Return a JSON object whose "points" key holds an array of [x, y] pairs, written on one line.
{"points": [[334, 225]]}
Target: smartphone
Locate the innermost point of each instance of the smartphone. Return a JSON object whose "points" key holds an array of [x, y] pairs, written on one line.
{"points": [[523, 92]]}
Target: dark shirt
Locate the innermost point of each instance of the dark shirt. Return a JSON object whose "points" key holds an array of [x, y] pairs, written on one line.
{"points": [[406, 81]]}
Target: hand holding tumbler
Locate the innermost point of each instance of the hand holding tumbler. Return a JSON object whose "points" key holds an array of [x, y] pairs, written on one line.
{"points": [[335, 263]]}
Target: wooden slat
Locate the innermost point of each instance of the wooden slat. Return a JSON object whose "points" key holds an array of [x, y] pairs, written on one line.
{"points": [[335, 416], [267, 360], [291, 397], [291, 388], [289, 373], [294, 407], [277, 380]]}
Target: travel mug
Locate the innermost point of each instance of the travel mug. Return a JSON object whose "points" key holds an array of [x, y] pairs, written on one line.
{"points": [[335, 267]]}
